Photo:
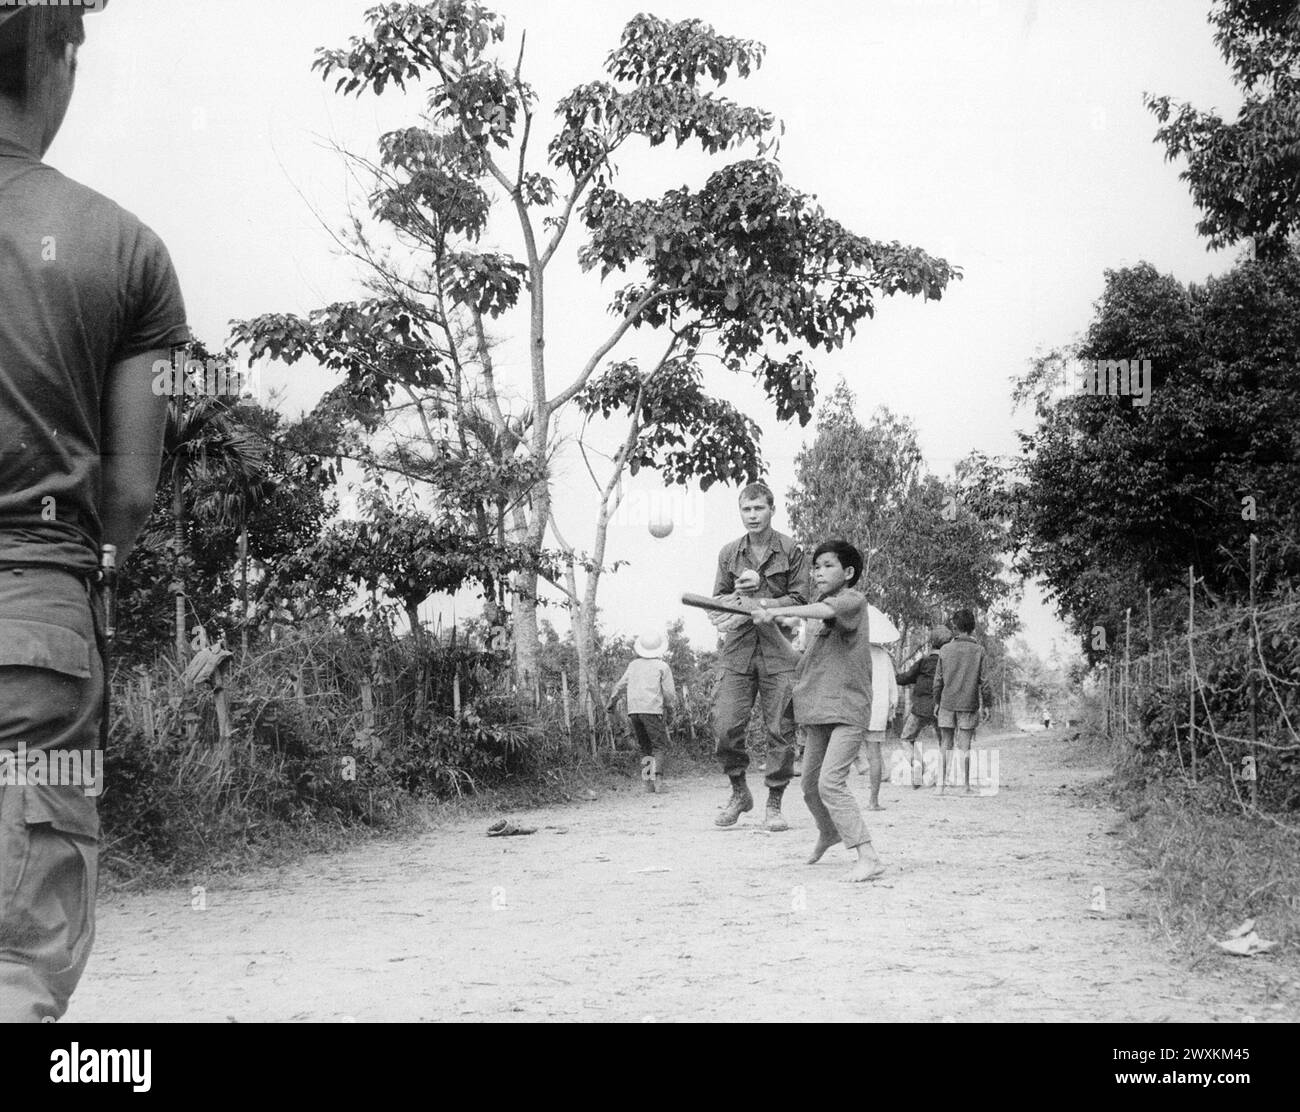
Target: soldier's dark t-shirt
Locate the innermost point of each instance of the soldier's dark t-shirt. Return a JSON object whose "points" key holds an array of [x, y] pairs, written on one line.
{"points": [[83, 286]]}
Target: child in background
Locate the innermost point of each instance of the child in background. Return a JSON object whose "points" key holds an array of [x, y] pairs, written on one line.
{"points": [[884, 701], [958, 686], [922, 712], [832, 700], [648, 682]]}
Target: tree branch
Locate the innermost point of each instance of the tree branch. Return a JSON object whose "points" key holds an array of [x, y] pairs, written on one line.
{"points": [[640, 307]]}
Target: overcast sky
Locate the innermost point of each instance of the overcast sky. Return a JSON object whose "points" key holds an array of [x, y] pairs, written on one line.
{"points": [[1008, 136]]}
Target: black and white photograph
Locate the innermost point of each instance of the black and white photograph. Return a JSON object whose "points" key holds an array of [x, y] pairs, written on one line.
{"points": [[573, 512]]}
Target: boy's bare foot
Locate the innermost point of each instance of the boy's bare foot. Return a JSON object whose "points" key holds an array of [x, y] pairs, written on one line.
{"points": [[867, 868], [819, 850], [875, 807]]}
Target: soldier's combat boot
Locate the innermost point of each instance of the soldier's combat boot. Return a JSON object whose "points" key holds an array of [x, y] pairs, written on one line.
{"points": [[773, 820], [740, 802]]}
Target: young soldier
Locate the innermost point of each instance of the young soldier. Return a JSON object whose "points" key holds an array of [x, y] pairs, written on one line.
{"points": [[958, 685], [88, 303], [766, 567]]}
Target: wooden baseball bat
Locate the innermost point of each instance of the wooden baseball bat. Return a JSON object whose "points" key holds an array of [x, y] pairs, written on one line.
{"points": [[707, 602]]}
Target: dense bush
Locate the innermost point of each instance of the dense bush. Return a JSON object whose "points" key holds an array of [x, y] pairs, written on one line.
{"points": [[304, 751], [1225, 665]]}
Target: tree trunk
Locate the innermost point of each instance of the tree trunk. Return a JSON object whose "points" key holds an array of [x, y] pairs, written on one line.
{"points": [[584, 640], [178, 539], [523, 585], [417, 645], [523, 618]]}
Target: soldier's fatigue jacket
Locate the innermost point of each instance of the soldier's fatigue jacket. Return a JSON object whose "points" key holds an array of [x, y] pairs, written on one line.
{"points": [[784, 578]]}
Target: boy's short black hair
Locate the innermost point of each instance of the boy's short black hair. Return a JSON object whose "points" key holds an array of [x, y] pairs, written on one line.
{"points": [[963, 621], [31, 42], [845, 553], [758, 490]]}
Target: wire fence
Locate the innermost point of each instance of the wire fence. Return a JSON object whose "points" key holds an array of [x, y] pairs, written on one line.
{"points": [[1217, 701]]}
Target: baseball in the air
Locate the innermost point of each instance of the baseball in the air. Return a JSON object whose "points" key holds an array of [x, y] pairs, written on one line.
{"points": [[661, 522]]}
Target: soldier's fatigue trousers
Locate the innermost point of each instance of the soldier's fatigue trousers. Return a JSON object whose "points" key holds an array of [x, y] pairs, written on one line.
{"points": [[51, 691], [732, 705]]}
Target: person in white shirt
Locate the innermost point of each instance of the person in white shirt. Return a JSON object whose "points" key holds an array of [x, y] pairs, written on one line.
{"points": [[648, 682], [884, 701]]}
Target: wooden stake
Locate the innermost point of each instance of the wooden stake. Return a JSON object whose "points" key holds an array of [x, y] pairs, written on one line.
{"points": [[1169, 675], [1250, 642], [1128, 683], [1191, 666]]}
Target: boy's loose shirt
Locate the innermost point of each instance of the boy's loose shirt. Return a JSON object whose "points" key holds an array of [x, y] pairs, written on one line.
{"points": [[832, 683]]}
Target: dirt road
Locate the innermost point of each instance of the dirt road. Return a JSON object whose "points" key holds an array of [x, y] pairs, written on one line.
{"points": [[641, 911]]}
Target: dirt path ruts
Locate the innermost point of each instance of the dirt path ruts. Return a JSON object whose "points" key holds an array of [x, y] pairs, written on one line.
{"points": [[643, 911]]}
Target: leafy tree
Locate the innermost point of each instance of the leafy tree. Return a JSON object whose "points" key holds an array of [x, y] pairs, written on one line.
{"points": [[406, 554], [745, 269], [1112, 498], [1245, 174], [281, 510], [867, 483], [203, 443]]}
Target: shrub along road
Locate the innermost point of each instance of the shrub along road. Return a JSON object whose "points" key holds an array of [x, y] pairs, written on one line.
{"points": [[634, 907]]}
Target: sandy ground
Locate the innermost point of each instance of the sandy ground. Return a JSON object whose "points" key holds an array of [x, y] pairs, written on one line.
{"points": [[633, 907]]}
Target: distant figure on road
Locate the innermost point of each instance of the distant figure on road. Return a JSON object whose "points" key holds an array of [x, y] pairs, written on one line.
{"points": [[648, 683], [958, 684]]}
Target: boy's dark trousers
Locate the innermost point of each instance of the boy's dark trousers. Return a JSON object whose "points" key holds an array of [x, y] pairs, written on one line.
{"points": [[650, 734]]}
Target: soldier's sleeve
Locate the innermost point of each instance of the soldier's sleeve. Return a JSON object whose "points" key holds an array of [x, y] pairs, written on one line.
{"points": [[905, 679], [725, 581], [155, 307]]}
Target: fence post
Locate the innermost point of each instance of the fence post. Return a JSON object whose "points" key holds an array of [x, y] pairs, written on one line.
{"points": [[568, 706], [1128, 682], [1191, 666], [1169, 678], [1253, 695]]}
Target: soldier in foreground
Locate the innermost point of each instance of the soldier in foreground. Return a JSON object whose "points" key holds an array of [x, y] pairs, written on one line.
{"points": [[88, 303]]}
